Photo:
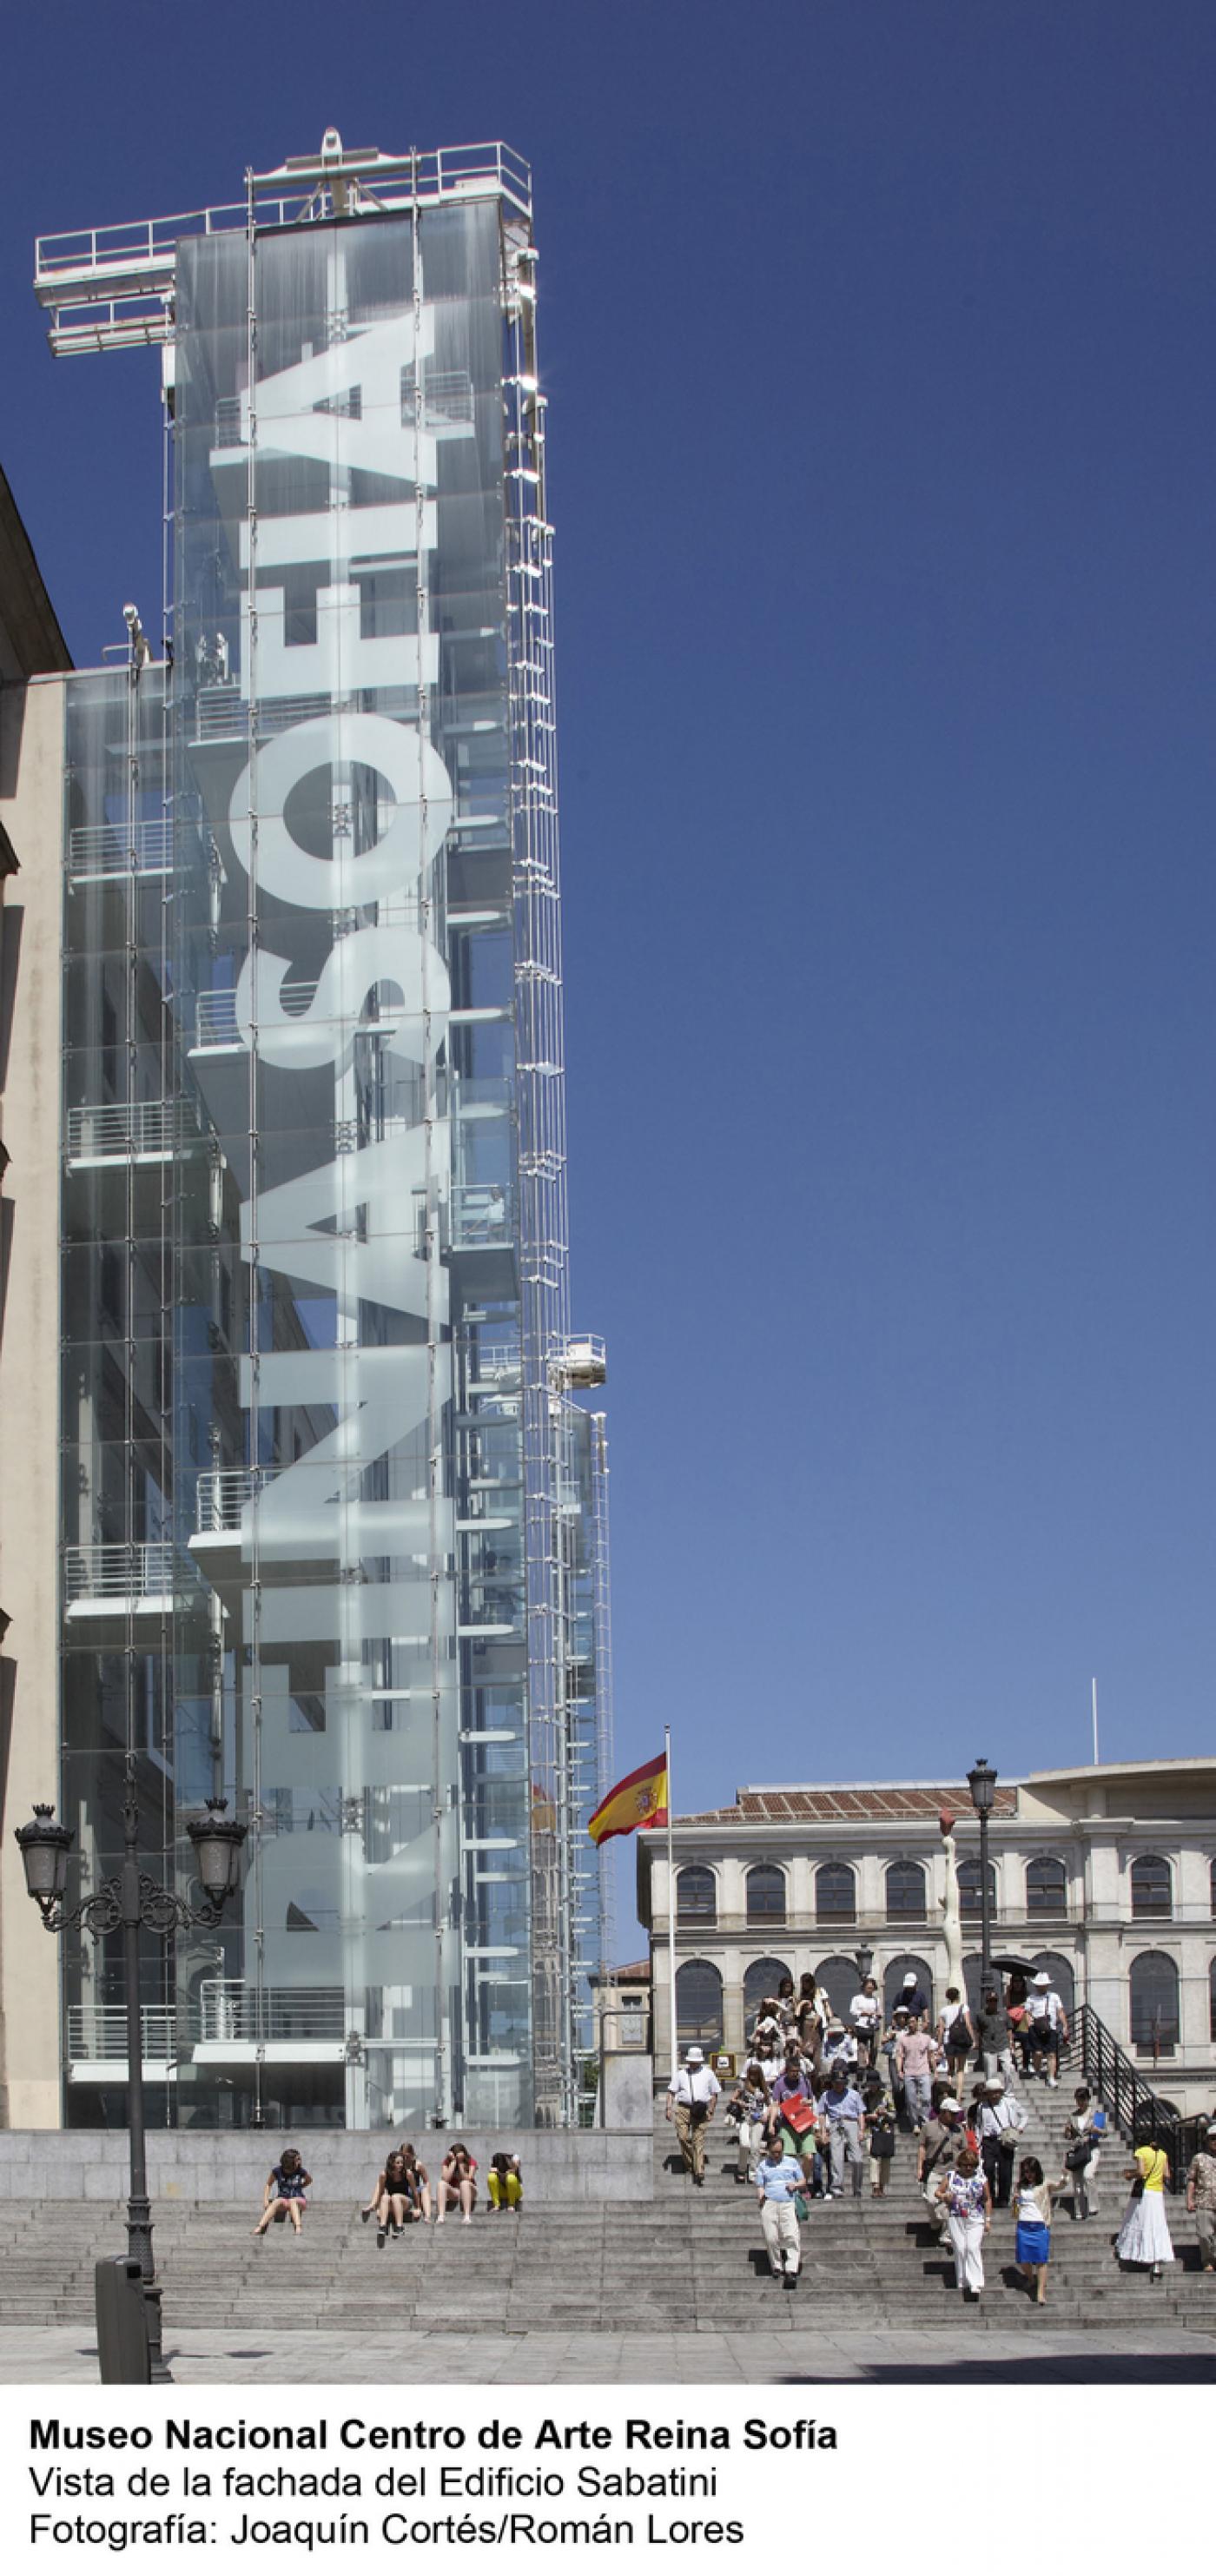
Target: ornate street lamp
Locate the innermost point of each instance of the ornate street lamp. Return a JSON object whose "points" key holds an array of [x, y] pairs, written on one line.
{"points": [[982, 1784], [128, 1902], [865, 1960]]}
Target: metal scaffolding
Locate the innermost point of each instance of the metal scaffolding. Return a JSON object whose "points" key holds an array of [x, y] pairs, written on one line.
{"points": [[116, 288]]}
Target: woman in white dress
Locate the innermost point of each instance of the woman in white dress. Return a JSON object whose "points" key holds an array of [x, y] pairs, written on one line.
{"points": [[968, 2205], [1144, 2236]]}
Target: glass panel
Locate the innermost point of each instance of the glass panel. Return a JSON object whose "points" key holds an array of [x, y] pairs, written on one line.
{"points": [[318, 1466], [698, 2005], [1152, 1887], [1046, 1887], [696, 1896], [835, 1893], [766, 1895], [1154, 2004], [905, 1892], [969, 1887]]}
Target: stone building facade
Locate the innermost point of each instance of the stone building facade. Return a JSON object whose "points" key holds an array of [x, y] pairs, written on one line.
{"points": [[34, 661], [1106, 1876]]}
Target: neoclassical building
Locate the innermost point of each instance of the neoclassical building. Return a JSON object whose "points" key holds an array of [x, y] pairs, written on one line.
{"points": [[1106, 1876]]}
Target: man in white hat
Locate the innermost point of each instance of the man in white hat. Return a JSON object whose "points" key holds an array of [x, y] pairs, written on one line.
{"points": [[1047, 2023], [1001, 2123], [940, 2141], [913, 1995], [691, 2099]]}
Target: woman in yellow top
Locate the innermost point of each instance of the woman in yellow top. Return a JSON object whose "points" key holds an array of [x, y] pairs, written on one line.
{"points": [[1144, 2236]]}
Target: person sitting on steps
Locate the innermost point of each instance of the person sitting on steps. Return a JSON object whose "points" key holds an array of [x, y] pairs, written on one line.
{"points": [[390, 2197], [457, 2184], [286, 2184], [505, 2183]]}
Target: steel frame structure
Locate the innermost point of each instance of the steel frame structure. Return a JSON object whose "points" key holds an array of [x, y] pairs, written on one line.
{"points": [[113, 288]]}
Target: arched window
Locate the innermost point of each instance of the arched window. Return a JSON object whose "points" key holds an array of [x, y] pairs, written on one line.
{"points": [[905, 1892], [1152, 1888], [840, 1980], [969, 1887], [762, 1978], [698, 2004], [1046, 1886], [1212, 2001], [1212, 1897], [835, 1893], [696, 1896], [1154, 2002], [907, 1965], [1060, 1971], [766, 1894]]}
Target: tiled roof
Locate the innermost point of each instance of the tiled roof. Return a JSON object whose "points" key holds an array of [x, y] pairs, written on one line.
{"points": [[635, 1972], [919, 1800]]}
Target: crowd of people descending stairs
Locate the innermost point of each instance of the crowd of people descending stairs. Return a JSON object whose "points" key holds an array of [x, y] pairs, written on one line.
{"points": [[824, 2097]]}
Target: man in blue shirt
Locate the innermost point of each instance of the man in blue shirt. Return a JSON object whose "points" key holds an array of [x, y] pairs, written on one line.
{"points": [[778, 2177], [844, 2113]]}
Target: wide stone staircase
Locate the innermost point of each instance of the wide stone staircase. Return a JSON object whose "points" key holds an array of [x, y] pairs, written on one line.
{"points": [[687, 2260]]}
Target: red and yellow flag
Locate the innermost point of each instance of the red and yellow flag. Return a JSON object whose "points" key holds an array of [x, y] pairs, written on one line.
{"points": [[637, 1802]]}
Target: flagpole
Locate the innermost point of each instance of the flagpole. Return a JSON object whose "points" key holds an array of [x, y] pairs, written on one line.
{"points": [[671, 1905]]}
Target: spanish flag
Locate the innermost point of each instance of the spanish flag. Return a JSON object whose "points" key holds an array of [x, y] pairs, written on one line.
{"points": [[637, 1802]]}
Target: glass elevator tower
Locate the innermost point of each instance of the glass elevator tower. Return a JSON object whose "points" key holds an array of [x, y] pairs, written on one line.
{"points": [[335, 1520]]}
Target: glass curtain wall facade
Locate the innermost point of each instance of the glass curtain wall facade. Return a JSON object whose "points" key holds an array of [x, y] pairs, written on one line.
{"points": [[362, 1518], [129, 1146]]}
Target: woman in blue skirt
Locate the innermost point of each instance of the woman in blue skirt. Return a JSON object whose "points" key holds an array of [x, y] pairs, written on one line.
{"points": [[1034, 2225]]}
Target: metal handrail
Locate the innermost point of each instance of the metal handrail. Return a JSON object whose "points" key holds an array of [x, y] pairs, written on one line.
{"points": [[110, 252], [223, 1493], [99, 2031], [113, 1130], [215, 1011], [122, 1570], [229, 2009], [1138, 2113], [108, 849]]}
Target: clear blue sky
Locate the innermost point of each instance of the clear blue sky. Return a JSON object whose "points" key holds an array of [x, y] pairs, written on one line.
{"points": [[879, 344]]}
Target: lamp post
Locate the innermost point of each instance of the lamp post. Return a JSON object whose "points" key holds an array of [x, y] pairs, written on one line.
{"points": [[982, 1784], [865, 1960], [129, 1901]]}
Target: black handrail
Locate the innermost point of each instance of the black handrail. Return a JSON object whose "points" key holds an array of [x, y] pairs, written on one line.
{"points": [[1138, 2113]]}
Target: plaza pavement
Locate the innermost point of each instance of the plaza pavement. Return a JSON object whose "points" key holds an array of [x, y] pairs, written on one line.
{"points": [[55, 2355]]}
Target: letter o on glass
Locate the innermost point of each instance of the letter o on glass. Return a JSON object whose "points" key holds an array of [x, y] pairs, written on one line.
{"points": [[420, 786]]}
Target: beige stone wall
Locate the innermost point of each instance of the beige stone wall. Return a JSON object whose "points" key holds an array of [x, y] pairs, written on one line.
{"points": [[31, 756]]}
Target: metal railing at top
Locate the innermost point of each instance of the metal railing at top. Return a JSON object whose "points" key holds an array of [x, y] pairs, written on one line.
{"points": [[104, 255], [99, 2032], [124, 1570]]}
